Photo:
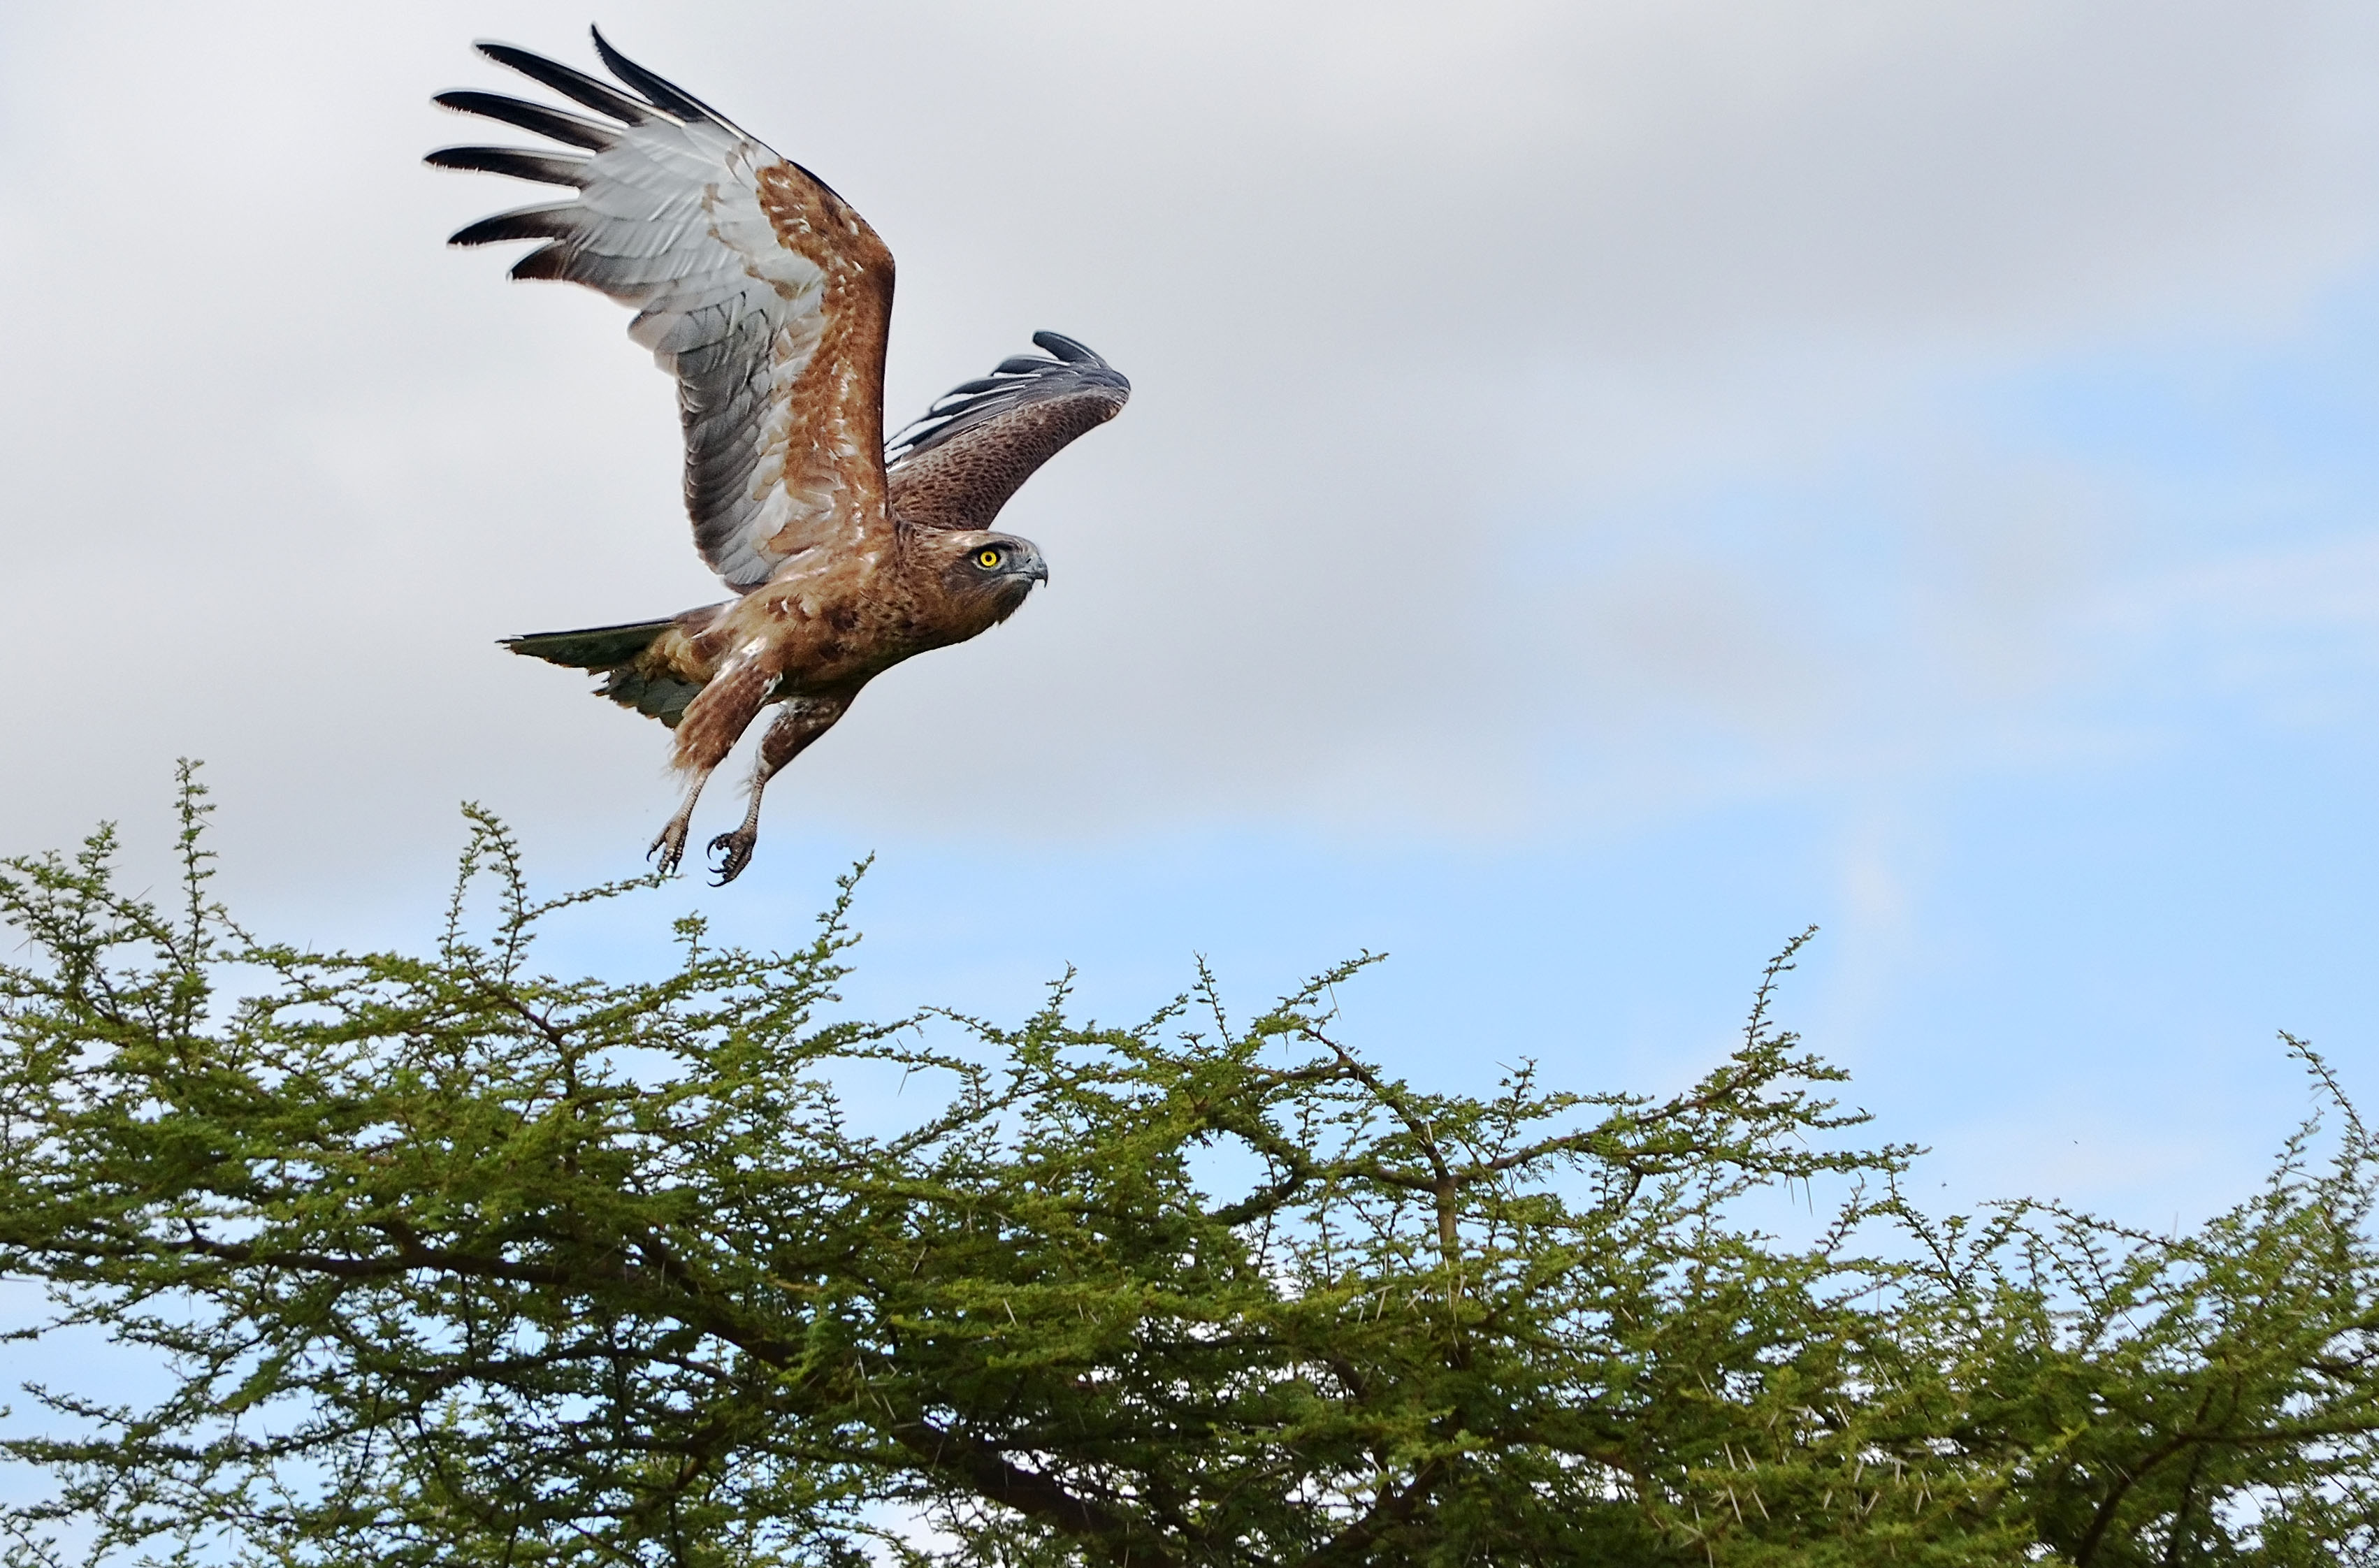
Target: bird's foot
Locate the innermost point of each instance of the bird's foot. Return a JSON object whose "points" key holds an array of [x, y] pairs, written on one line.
{"points": [[670, 847], [734, 852]]}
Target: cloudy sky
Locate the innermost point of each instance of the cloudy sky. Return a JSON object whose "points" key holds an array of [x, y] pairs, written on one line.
{"points": [[1607, 484]]}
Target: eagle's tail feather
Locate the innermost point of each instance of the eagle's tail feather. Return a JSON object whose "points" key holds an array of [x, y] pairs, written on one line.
{"points": [[591, 647], [636, 672]]}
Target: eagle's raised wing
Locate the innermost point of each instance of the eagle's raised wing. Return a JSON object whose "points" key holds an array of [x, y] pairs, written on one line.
{"points": [[957, 467], [755, 285]]}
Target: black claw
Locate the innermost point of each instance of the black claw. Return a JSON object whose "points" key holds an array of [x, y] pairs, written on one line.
{"points": [[734, 852], [671, 850]]}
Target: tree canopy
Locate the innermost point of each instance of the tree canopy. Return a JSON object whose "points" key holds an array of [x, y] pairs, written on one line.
{"points": [[450, 1260]]}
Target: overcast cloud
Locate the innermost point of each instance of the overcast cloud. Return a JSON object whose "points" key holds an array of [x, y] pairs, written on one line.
{"points": [[1544, 414]]}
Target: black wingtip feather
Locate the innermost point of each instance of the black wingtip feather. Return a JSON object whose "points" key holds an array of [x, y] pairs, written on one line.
{"points": [[527, 223], [1067, 349], [545, 261], [574, 85], [661, 90], [518, 162], [566, 128]]}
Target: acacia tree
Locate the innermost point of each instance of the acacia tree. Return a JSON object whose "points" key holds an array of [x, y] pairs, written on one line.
{"points": [[449, 1259]]}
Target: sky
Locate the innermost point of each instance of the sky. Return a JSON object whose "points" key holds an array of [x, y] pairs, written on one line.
{"points": [[1606, 486]]}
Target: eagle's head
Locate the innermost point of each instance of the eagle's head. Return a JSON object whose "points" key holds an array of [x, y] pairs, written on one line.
{"points": [[989, 574]]}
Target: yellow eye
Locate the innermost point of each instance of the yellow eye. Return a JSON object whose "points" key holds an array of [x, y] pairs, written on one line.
{"points": [[987, 559]]}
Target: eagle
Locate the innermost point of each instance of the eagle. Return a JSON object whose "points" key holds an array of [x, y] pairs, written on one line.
{"points": [[768, 298]]}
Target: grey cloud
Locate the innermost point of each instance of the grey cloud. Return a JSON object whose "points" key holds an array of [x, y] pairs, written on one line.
{"points": [[1440, 322]]}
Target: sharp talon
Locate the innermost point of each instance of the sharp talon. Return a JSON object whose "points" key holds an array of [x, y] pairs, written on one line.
{"points": [[670, 847], [734, 852]]}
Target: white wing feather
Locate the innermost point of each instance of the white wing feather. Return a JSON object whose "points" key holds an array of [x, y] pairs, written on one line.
{"points": [[669, 219]]}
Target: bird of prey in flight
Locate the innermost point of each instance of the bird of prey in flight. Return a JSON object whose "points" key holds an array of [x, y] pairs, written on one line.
{"points": [[768, 298]]}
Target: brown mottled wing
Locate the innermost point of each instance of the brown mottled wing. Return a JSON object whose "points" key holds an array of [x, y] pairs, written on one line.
{"points": [[957, 467], [755, 285]]}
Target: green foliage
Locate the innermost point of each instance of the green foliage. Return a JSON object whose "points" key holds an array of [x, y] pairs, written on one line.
{"points": [[454, 1261]]}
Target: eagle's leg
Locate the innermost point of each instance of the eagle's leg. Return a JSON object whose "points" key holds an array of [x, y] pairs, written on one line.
{"points": [[802, 720], [714, 722], [671, 845]]}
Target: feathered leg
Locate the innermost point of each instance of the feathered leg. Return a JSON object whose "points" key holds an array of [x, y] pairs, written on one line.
{"points": [[803, 719], [714, 722]]}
